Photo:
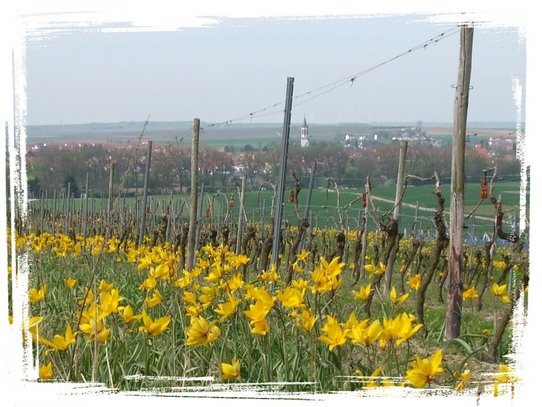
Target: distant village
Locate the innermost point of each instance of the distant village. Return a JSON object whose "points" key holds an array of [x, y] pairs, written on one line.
{"points": [[347, 156]]}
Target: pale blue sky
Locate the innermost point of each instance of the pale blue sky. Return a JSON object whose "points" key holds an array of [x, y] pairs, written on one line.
{"points": [[240, 66]]}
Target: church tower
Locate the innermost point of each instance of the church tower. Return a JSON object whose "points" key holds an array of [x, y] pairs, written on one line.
{"points": [[304, 134]]}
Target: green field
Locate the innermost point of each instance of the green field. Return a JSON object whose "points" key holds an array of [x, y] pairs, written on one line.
{"points": [[329, 207]]}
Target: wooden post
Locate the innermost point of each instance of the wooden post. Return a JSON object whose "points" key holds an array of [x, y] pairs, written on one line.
{"points": [[54, 212], [397, 210], [66, 209], [145, 194], [111, 172], [308, 204], [365, 226], [198, 218], [85, 214], [194, 196], [240, 225], [455, 256], [277, 220]]}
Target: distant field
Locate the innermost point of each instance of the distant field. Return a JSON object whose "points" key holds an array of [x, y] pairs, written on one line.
{"points": [[216, 134]]}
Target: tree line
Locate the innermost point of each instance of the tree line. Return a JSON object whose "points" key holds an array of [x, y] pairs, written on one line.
{"points": [[56, 167]]}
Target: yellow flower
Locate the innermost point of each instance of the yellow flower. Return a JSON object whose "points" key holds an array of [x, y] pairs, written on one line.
{"points": [[371, 382], [194, 310], [231, 371], [407, 329], [145, 262], [128, 315], [96, 331], [190, 297], [32, 326], [424, 370], [303, 255], [261, 294], [470, 293], [363, 292], [37, 295], [182, 282], [60, 342], [105, 286], [463, 379], [498, 290], [46, 371], [202, 332], [149, 283], [109, 302], [333, 333], [154, 327], [333, 268], [505, 375], [321, 281], [259, 327], [366, 335], [307, 320], [390, 330], [414, 282], [227, 308], [271, 275], [372, 269], [155, 300], [291, 297], [233, 283], [397, 300], [92, 325], [257, 313], [70, 282]]}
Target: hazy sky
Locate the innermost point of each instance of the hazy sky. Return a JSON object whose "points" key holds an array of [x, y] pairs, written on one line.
{"points": [[237, 66]]}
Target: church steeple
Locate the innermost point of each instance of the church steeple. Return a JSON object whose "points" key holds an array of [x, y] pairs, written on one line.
{"points": [[304, 133]]}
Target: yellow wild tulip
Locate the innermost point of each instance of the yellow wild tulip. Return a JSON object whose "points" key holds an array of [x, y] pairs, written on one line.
{"points": [[228, 308], [397, 300], [334, 335], [109, 302], [202, 332], [70, 282], [291, 297], [415, 282], [424, 370], [155, 300], [231, 370], [60, 342], [154, 327], [470, 294], [127, 314], [363, 292], [37, 295], [46, 371], [306, 320], [149, 283]]}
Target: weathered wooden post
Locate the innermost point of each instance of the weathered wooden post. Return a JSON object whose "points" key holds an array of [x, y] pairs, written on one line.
{"points": [[110, 192], [194, 196], [240, 224], [145, 195], [397, 211], [455, 256], [366, 201], [85, 214]]}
